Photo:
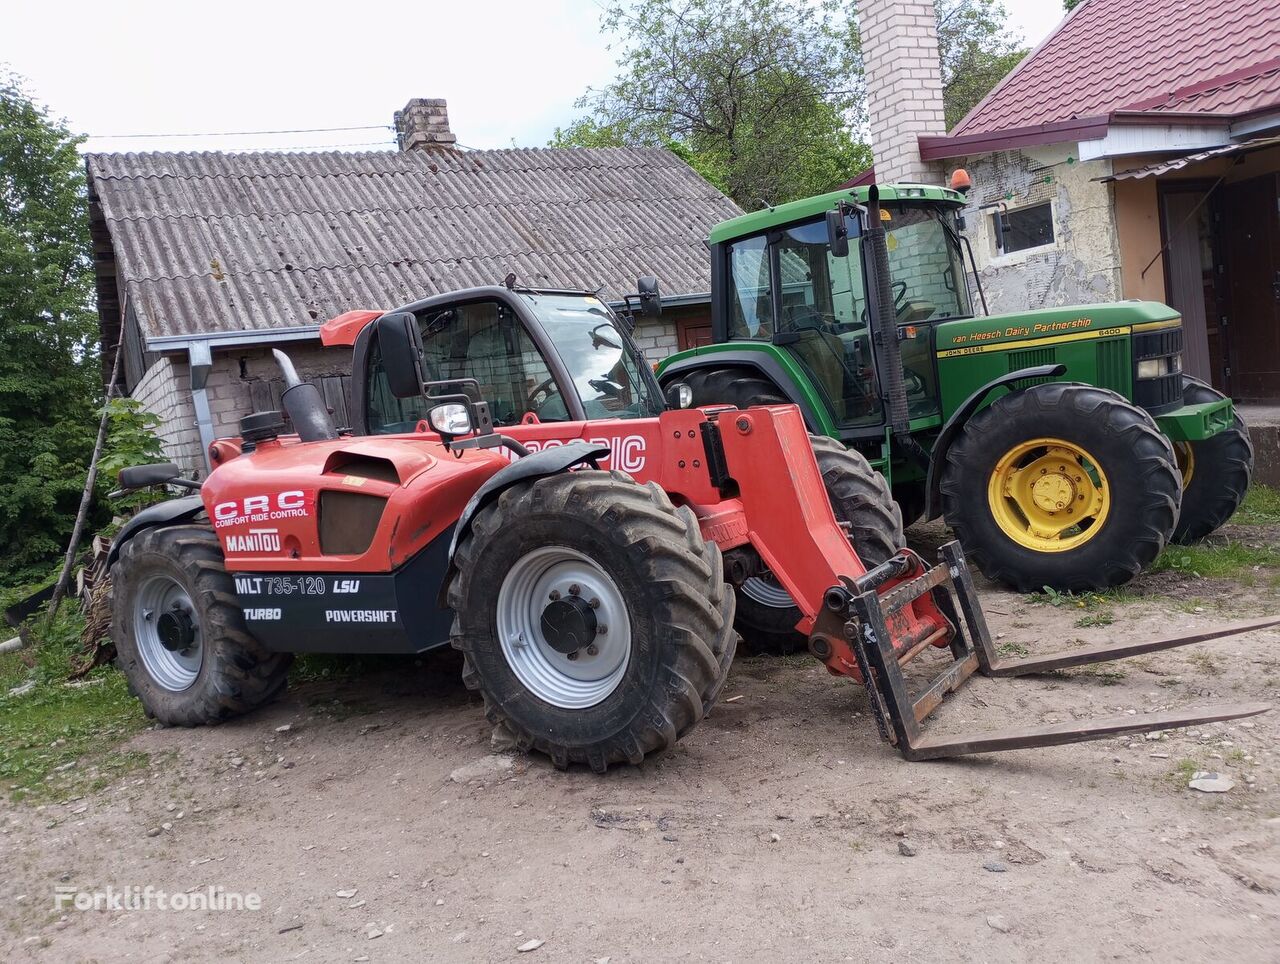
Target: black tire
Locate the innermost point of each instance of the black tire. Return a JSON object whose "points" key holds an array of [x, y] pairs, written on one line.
{"points": [[1221, 469], [732, 386], [1137, 460], [860, 497], [236, 673], [910, 497], [680, 614]]}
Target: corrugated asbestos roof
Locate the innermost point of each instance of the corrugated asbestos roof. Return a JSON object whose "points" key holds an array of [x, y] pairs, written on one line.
{"points": [[1112, 55], [229, 242]]}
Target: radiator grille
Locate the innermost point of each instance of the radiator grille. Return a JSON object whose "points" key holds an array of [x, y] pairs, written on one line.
{"points": [[1114, 365]]}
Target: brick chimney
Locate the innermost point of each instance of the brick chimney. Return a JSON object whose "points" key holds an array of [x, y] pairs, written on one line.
{"points": [[423, 125], [904, 86]]}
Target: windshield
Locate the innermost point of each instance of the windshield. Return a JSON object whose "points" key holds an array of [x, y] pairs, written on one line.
{"points": [[610, 378], [929, 282]]}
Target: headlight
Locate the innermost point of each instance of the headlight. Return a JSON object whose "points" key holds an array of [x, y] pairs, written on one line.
{"points": [[1153, 367], [450, 419], [679, 395], [1159, 367]]}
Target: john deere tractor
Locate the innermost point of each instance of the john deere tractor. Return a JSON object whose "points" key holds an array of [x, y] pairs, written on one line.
{"points": [[1064, 446]]}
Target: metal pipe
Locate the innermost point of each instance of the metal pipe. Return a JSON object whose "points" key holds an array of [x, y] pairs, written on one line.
{"points": [[286, 368]]}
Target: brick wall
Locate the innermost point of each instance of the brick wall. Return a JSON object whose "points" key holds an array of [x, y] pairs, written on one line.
{"points": [[165, 391], [656, 337], [236, 374], [904, 85]]}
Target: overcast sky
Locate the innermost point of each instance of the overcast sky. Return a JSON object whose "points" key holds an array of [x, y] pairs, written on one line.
{"points": [[510, 70]]}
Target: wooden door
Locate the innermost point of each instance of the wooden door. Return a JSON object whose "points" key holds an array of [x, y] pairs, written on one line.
{"points": [[1252, 239], [1189, 260]]}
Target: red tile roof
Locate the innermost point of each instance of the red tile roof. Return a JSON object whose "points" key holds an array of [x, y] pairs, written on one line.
{"points": [[1196, 56]]}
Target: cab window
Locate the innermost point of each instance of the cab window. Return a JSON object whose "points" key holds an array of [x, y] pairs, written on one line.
{"points": [[483, 340]]}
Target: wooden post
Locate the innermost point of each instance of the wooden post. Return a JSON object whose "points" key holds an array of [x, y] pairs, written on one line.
{"points": [[86, 497]]}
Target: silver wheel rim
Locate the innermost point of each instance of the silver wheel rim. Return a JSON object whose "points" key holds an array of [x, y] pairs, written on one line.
{"points": [[172, 669], [548, 674], [767, 591]]}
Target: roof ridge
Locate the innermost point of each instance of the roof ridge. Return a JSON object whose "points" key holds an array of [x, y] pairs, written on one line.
{"points": [[353, 265], [413, 209]]}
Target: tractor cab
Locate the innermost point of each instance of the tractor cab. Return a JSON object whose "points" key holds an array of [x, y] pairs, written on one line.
{"points": [[537, 356], [798, 278]]}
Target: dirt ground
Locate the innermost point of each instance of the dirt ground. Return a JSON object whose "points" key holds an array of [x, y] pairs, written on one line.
{"points": [[776, 831]]}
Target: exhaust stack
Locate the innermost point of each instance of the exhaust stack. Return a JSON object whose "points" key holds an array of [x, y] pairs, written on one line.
{"points": [[303, 403]]}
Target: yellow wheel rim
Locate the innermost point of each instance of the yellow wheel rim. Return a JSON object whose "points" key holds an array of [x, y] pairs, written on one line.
{"points": [[1186, 455], [1049, 495]]}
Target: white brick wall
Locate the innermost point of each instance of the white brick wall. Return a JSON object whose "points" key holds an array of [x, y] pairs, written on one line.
{"points": [[656, 338], [165, 391], [904, 86]]}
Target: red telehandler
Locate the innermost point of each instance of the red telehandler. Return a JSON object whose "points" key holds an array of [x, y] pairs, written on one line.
{"points": [[518, 486]]}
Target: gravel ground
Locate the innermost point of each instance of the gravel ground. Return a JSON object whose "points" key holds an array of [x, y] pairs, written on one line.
{"points": [[374, 822]]}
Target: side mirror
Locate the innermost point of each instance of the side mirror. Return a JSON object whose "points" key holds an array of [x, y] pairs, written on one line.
{"points": [[650, 300], [837, 233], [140, 476], [400, 347]]}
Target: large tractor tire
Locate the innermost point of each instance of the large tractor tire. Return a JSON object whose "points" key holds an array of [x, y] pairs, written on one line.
{"points": [[767, 615], [593, 618], [732, 386], [179, 632], [1215, 471], [1062, 485], [860, 497]]}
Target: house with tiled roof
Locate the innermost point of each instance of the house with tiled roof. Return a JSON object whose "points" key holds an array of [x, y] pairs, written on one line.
{"points": [[1135, 153], [207, 261]]}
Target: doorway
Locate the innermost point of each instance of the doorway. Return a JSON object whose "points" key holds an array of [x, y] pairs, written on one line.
{"points": [[1251, 221], [1193, 271]]}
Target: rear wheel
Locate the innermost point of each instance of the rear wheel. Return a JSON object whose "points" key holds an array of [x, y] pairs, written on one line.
{"points": [[594, 619], [1215, 471], [767, 615], [1062, 485], [179, 632], [859, 496]]}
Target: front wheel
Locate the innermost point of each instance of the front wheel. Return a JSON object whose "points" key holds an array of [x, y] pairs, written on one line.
{"points": [[1215, 471], [1063, 485], [594, 619]]}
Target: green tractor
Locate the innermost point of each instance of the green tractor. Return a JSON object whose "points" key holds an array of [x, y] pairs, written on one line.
{"points": [[1065, 446]]}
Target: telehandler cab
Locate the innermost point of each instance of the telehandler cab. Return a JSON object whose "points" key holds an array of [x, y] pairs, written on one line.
{"points": [[526, 494]]}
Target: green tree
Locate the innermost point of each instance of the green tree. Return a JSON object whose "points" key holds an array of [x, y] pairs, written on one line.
{"points": [[761, 97], [50, 377], [977, 50]]}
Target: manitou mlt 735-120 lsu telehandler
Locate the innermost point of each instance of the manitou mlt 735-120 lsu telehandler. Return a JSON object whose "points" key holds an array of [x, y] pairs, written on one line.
{"points": [[525, 492]]}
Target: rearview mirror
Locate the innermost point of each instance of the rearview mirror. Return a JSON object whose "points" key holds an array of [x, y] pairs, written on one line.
{"points": [[400, 347], [837, 233], [139, 476], [650, 300]]}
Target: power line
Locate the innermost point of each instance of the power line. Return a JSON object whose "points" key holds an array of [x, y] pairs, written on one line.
{"points": [[302, 130], [306, 147]]}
